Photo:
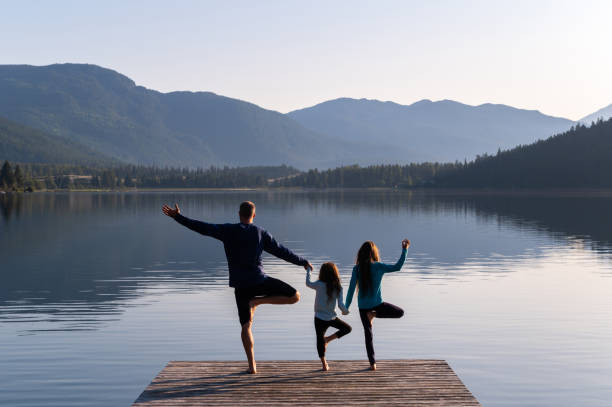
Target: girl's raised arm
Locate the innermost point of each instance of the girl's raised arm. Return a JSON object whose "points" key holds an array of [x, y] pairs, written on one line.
{"points": [[388, 268]]}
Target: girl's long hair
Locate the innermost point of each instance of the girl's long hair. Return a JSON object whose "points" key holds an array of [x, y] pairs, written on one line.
{"points": [[330, 276], [368, 253]]}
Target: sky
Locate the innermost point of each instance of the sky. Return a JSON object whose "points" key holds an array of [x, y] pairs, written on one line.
{"points": [[551, 56]]}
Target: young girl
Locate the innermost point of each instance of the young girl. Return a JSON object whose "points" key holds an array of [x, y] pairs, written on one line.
{"points": [[329, 290], [367, 275]]}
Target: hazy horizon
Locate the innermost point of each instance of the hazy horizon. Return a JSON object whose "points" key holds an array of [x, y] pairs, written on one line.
{"points": [[543, 55]]}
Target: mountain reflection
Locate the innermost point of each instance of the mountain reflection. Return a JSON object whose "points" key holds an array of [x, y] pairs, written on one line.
{"points": [[73, 261]]}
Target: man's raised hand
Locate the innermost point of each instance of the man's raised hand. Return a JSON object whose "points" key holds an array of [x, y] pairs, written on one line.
{"points": [[405, 243], [168, 211]]}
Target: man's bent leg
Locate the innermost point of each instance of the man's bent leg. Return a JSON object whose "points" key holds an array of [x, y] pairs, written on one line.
{"points": [[274, 291], [275, 299]]}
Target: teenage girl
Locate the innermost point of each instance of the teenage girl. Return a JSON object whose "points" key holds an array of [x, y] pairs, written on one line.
{"points": [[367, 275], [329, 291]]}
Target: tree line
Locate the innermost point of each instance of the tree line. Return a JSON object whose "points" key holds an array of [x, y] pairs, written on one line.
{"points": [[580, 157], [374, 176], [30, 177], [15, 179]]}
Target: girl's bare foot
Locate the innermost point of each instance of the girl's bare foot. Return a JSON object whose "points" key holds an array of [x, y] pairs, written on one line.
{"points": [[330, 338], [252, 367], [325, 365], [373, 366], [371, 315], [252, 305]]}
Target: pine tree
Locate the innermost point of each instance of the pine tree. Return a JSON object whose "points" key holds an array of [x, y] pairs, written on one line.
{"points": [[7, 178], [50, 183], [18, 177]]}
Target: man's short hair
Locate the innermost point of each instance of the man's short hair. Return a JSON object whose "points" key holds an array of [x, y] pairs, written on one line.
{"points": [[247, 209]]}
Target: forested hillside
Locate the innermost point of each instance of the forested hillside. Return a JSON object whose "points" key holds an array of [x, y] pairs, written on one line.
{"points": [[580, 157], [24, 144]]}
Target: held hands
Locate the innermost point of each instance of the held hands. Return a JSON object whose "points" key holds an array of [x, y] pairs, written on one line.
{"points": [[345, 312], [168, 211], [405, 244], [308, 266]]}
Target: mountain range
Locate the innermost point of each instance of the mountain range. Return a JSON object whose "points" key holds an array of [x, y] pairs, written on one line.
{"points": [[431, 131], [105, 111], [95, 109]]}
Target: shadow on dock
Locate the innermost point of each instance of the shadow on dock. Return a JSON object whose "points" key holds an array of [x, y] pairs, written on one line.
{"points": [[349, 383]]}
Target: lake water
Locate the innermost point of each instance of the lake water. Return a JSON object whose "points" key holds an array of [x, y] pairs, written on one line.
{"points": [[100, 290]]}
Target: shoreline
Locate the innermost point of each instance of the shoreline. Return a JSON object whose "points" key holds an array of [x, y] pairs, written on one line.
{"points": [[424, 190]]}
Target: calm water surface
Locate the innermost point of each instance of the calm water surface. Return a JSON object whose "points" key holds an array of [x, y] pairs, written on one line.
{"points": [[100, 290]]}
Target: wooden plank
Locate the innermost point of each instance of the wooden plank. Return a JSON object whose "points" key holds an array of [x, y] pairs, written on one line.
{"points": [[420, 382]]}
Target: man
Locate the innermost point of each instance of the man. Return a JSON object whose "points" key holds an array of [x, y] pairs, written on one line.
{"points": [[244, 243]]}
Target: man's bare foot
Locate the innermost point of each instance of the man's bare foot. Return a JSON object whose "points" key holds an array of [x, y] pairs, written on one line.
{"points": [[325, 365], [373, 366], [251, 371]]}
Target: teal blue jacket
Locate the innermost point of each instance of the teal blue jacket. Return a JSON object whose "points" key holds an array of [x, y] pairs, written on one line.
{"points": [[374, 297]]}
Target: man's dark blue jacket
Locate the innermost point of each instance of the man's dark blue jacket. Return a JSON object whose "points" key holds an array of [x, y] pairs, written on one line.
{"points": [[243, 247]]}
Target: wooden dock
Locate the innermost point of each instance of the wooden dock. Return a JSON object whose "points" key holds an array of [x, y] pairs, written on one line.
{"points": [[302, 383]]}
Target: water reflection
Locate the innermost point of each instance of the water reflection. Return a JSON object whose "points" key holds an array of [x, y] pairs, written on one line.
{"points": [[583, 216], [74, 261]]}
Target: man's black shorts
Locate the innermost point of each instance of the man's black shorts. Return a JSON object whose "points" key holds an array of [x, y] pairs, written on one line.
{"points": [[269, 287]]}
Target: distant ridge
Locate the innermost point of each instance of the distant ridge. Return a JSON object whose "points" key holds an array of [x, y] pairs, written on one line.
{"points": [[603, 113], [444, 130]]}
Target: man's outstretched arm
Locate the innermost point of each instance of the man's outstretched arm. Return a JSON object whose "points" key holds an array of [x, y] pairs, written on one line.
{"points": [[206, 229], [273, 247]]}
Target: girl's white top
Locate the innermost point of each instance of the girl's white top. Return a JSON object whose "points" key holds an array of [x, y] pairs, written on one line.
{"points": [[324, 306]]}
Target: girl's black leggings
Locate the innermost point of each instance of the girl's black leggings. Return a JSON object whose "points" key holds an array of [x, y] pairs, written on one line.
{"points": [[322, 325], [384, 310]]}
